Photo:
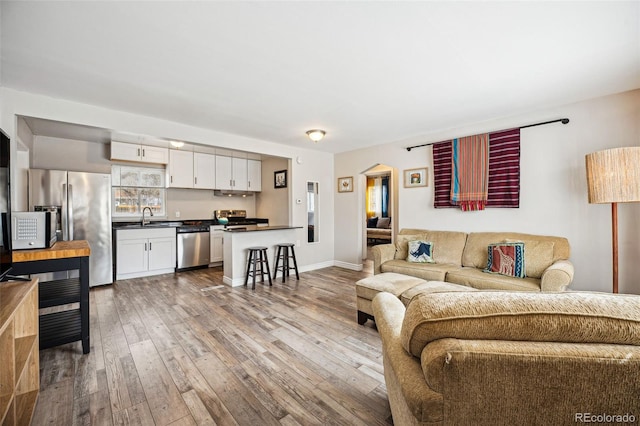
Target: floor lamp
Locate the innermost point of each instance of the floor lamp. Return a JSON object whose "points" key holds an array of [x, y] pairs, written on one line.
{"points": [[613, 176]]}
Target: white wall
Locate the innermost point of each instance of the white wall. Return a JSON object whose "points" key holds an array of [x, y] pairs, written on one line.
{"points": [[272, 202], [553, 196], [317, 166]]}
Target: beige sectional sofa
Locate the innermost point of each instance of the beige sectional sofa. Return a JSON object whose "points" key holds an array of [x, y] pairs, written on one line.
{"points": [[460, 259], [494, 357]]}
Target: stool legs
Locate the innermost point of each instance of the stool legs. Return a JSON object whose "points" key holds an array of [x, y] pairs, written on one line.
{"points": [[285, 255], [256, 263]]}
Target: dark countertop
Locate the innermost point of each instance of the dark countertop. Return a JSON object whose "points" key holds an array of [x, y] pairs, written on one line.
{"points": [[254, 228], [173, 223]]}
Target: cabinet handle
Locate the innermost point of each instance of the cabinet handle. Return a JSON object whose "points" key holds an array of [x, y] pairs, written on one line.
{"points": [[249, 183], [138, 152], [171, 179], [143, 152], [196, 180], [149, 246], [145, 246]]}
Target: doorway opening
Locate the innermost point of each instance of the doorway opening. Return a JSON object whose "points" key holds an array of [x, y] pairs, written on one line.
{"points": [[379, 207]]}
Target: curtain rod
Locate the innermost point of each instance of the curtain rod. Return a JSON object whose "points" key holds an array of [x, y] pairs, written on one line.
{"points": [[562, 120]]}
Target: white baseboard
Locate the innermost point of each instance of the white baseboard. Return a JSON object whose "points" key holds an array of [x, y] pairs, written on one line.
{"points": [[345, 265]]}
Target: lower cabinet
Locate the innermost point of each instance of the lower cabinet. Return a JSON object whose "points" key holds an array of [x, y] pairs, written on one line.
{"points": [[217, 234], [145, 252]]}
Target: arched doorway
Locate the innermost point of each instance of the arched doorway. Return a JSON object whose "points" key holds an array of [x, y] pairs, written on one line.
{"points": [[378, 200]]}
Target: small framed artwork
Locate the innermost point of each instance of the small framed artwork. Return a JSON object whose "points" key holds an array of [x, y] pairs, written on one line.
{"points": [[280, 179], [345, 184], [415, 177]]}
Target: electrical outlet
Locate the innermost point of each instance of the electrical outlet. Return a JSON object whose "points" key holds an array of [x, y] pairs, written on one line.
{"points": [[177, 214]]}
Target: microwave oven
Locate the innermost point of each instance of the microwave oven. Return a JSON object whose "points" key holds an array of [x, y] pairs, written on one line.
{"points": [[31, 230]]}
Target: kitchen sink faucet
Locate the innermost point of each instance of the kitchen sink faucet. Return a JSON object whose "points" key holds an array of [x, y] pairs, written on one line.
{"points": [[146, 222]]}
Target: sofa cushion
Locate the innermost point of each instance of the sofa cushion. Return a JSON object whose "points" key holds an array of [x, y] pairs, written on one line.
{"points": [[475, 250], [431, 287], [575, 317], [506, 259], [402, 244], [447, 245], [420, 251], [426, 271], [396, 284], [372, 222], [477, 278], [538, 256]]}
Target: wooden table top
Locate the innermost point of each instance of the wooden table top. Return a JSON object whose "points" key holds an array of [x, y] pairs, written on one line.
{"points": [[60, 250]]}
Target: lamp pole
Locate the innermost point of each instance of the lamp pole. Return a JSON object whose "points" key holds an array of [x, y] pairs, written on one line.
{"points": [[614, 232]]}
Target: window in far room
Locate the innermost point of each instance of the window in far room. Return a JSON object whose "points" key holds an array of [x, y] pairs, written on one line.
{"points": [[377, 197]]}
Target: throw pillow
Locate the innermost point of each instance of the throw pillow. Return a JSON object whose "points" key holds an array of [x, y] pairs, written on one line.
{"points": [[372, 222], [538, 256], [506, 259], [420, 251], [384, 222], [402, 246]]}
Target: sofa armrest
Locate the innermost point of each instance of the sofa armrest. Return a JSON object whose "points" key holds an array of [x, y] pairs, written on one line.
{"points": [[403, 374], [557, 277], [382, 253]]}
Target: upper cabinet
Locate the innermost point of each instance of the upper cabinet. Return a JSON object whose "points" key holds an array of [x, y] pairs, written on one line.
{"points": [[139, 153], [191, 169], [238, 174], [180, 169], [254, 175], [204, 170]]}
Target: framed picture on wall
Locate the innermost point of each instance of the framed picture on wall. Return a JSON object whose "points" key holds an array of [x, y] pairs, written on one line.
{"points": [[280, 179], [345, 184], [415, 177]]}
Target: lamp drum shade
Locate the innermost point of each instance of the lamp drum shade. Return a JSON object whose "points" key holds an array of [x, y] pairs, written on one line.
{"points": [[613, 175]]}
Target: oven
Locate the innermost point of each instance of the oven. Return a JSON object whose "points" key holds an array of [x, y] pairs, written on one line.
{"points": [[193, 249]]}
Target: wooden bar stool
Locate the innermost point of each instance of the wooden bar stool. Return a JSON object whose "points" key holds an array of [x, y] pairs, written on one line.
{"points": [[283, 253], [256, 264]]}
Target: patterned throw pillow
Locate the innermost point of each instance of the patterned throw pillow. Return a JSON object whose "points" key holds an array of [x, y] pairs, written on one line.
{"points": [[420, 251], [506, 259], [372, 222]]}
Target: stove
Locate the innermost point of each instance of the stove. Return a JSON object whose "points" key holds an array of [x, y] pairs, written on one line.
{"points": [[237, 218]]}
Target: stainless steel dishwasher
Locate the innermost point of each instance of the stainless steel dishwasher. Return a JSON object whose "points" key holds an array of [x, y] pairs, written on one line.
{"points": [[193, 245]]}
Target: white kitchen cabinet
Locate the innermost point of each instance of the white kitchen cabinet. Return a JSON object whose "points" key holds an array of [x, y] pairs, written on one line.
{"points": [[180, 169], [254, 174], [139, 153], [224, 176], [217, 241], [204, 170], [231, 173], [145, 252]]}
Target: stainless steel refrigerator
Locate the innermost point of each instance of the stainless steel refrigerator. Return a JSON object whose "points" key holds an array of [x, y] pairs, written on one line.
{"points": [[83, 202]]}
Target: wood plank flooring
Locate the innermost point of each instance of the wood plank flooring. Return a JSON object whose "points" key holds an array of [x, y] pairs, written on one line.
{"points": [[184, 349]]}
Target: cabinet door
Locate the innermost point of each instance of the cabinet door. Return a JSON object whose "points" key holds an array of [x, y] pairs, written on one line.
{"points": [[162, 253], [254, 175], [216, 245], [204, 170], [180, 169], [223, 172], [132, 256], [125, 151], [240, 178], [154, 154]]}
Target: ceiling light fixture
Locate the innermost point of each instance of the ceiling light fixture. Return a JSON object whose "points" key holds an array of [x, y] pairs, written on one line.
{"points": [[316, 135], [177, 144]]}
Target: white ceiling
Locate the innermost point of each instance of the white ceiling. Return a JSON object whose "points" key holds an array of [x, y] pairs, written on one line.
{"points": [[366, 72]]}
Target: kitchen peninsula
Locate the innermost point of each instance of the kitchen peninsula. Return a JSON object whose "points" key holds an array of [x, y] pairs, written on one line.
{"points": [[236, 242]]}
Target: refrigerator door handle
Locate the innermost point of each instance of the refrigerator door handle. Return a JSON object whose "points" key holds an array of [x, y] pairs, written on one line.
{"points": [[70, 208], [65, 214]]}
